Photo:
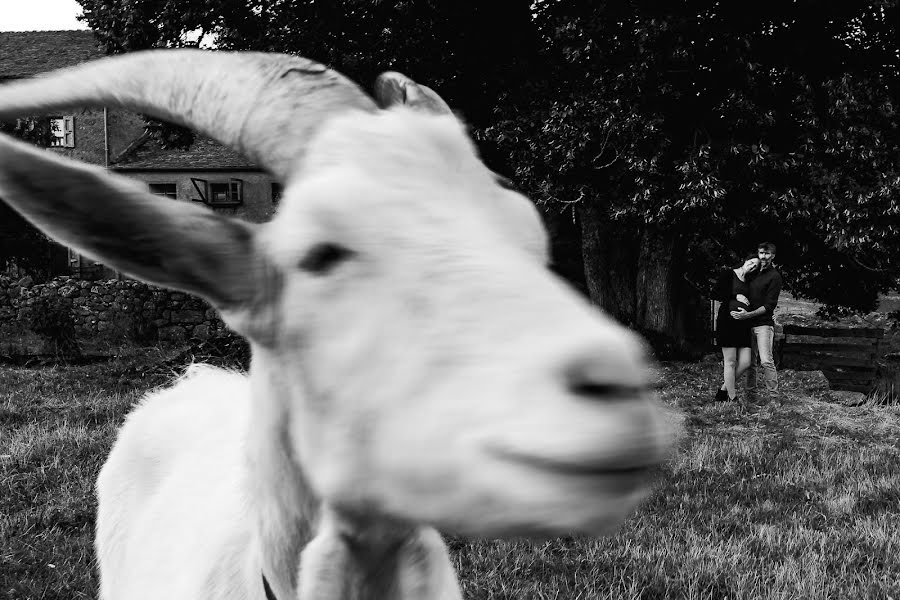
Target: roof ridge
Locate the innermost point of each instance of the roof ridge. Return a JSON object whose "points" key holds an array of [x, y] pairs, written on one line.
{"points": [[131, 148], [146, 153], [49, 31]]}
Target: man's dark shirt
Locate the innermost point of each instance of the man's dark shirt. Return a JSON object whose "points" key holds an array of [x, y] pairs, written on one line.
{"points": [[764, 291]]}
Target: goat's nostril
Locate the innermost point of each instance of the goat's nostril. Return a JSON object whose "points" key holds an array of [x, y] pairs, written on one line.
{"points": [[602, 375], [600, 391]]}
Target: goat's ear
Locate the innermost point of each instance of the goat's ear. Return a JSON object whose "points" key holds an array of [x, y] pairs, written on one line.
{"points": [[393, 89], [112, 219]]}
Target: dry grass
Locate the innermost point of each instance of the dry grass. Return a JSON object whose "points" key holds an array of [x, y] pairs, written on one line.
{"points": [[799, 501]]}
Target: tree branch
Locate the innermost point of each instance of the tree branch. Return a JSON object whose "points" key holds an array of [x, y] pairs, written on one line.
{"points": [[860, 264]]}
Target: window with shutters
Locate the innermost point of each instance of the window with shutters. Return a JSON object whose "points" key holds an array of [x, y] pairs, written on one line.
{"points": [[219, 193], [62, 132]]}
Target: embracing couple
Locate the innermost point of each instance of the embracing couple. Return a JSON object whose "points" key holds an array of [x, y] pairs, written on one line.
{"points": [[745, 330]]}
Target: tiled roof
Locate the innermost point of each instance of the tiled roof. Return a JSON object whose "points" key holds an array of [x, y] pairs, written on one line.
{"points": [[203, 154], [27, 53]]}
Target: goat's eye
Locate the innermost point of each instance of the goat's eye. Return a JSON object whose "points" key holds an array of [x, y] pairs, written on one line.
{"points": [[323, 258], [505, 182]]}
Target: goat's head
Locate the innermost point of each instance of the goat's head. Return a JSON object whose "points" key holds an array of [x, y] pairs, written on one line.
{"points": [[429, 365]]}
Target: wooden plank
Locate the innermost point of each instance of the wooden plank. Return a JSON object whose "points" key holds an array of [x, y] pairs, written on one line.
{"points": [[813, 350], [817, 363], [824, 352], [852, 349], [807, 365], [853, 377], [837, 384], [823, 340], [865, 332], [846, 374]]}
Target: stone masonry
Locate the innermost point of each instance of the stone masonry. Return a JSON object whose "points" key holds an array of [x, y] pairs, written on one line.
{"points": [[115, 310]]}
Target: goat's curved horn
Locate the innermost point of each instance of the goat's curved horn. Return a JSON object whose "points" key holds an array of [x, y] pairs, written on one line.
{"points": [[395, 88], [266, 106]]}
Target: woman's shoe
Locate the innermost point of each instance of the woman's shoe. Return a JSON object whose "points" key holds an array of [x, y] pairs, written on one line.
{"points": [[721, 395]]}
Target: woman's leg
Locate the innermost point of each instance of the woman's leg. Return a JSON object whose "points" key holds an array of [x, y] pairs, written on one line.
{"points": [[729, 362], [743, 362]]}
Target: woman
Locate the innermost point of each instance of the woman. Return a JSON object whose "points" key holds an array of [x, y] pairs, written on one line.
{"points": [[733, 336]]}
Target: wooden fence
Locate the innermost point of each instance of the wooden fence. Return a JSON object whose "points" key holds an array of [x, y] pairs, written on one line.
{"points": [[850, 358]]}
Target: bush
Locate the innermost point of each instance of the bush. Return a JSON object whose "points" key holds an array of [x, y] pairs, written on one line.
{"points": [[831, 312], [143, 332], [50, 317]]}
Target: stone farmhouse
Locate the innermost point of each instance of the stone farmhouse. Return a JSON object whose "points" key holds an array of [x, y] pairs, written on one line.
{"points": [[206, 172]]}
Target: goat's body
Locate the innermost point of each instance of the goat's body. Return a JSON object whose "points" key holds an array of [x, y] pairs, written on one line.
{"points": [[175, 519], [405, 372], [187, 511]]}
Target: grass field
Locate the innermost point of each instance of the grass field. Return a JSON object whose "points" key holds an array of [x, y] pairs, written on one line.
{"points": [[790, 502]]}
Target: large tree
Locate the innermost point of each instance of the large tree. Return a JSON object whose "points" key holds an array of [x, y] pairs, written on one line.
{"points": [[674, 135], [684, 133], [452, 45]]}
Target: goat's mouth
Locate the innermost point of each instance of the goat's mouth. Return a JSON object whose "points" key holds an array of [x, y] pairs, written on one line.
{"points": [[575, 468]]}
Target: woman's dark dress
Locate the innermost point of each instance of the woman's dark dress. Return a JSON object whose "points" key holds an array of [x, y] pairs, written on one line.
{"points": [[731, 333]]}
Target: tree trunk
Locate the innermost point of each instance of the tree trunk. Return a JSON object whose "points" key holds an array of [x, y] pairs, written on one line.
{"points": [[655, 309], [638, 279], [565, 247], [610, 264], [658, 295]]}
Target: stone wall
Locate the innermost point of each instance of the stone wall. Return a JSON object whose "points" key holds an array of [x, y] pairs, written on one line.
{"points": [[114, 310]]}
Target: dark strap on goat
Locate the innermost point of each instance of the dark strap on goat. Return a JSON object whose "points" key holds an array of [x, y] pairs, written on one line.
{"points": [[269, 594]]}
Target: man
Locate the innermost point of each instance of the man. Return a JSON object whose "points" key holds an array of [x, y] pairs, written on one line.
{"points": [[764, 291]]}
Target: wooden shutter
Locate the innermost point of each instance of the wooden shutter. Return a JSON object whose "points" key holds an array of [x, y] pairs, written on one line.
{"points": [[236, 191], [69, 132], [201, 186]]}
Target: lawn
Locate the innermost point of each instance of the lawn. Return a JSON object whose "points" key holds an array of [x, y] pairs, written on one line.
{"points": [[794, 501]]}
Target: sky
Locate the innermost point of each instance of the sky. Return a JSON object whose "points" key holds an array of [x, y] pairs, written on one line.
{"points": [[38, 15]]}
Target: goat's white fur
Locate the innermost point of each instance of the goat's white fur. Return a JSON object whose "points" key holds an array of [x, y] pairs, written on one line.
{"points": [[438, 376], [169, 467]]}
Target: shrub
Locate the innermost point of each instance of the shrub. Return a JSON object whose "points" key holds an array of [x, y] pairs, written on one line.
{"points": [[51, 318]]}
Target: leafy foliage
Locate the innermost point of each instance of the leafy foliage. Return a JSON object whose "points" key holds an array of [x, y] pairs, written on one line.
{"points": [[733, 124], [168, 135], [31, 129], [449, 45], [718, 124]]}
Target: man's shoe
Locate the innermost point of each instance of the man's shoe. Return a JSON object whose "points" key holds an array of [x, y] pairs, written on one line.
{"points": [[721, 396]]}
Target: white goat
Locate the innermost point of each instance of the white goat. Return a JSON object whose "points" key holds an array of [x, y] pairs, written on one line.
{"points": [[415, 364]]}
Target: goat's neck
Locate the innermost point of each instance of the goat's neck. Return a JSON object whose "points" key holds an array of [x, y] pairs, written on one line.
{"points": [[283, 504], [340, 556], [354, 558]]}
